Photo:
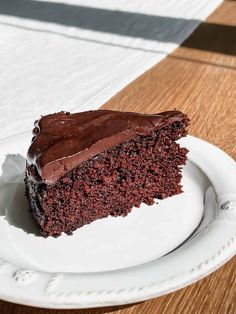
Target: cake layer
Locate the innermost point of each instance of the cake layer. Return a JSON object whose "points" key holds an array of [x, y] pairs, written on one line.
{"points": [[111, 182], [63, 141]]}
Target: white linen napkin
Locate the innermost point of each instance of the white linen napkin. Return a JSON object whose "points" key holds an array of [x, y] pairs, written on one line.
{"points": [[75, 55]]}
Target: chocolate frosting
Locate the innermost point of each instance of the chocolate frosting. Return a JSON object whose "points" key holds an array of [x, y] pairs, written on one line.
{"points": [[62, 141]]}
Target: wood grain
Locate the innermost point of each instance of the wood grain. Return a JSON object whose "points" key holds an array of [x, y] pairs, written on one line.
{"points": [[199, 78]]}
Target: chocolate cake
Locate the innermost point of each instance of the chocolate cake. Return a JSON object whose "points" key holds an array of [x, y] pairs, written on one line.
{"points": [[85, 166]]}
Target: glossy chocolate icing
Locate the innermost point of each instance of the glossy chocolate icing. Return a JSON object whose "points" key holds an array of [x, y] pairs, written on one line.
{"points": [[62, 141]]}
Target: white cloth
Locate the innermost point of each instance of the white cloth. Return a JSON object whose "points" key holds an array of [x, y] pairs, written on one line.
{"points": [[75, 55]]}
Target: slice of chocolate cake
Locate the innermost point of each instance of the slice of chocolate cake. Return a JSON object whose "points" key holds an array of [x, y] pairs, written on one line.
{"points": [[89, 165]]}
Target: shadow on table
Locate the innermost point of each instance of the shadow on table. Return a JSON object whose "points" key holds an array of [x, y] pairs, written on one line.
{"points": [[213, 37], [7, 308]]}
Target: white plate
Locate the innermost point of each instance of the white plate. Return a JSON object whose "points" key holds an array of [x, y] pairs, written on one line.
{"points": [[151, 252]]}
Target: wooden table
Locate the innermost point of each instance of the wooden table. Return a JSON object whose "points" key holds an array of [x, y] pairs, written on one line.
{"points": [[198, 78]]}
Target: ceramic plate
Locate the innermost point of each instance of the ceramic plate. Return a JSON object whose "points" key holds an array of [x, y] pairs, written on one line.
{"points": [[153, 251]]}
